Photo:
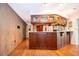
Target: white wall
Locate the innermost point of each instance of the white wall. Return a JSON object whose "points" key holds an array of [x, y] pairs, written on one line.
{"points": [[10, 36], [74, 17]]}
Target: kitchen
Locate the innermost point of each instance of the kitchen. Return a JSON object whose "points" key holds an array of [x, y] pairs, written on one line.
{"points": [[39, 29], [48, 31]]}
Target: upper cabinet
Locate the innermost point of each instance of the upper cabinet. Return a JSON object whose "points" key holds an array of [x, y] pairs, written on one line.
{"points": [[35, 19], [49, 19], [44, 18]]}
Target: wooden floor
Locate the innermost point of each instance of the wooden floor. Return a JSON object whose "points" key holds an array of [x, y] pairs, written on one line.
{"points": [[23, 50]]}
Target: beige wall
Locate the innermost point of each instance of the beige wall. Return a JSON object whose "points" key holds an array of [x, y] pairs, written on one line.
{"points": [[10, 36]]}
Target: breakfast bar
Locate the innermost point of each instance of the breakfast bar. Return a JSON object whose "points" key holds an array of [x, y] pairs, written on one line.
{"points": [[48, 40]]}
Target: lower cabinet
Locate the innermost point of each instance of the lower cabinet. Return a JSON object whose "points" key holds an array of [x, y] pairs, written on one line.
{"points": [[43, 40], [63, 39], [48, 40], [59, 41]]}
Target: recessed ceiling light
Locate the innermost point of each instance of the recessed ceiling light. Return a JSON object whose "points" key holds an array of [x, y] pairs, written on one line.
{"points": [[74, 8], [44, 3], [62, 4]]}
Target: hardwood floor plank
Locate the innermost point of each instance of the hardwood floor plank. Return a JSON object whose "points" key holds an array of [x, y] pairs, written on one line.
{"points": [[23, 50]]}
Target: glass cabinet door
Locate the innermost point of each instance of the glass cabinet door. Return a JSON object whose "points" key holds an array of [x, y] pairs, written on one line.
{"points": [[44, 18], [36, 19]]}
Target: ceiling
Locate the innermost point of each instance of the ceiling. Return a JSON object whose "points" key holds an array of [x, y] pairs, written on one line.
{"points": [[63, 9]]}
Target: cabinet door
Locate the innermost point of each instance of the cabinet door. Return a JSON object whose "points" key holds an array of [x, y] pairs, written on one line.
{"points": [[34, 41], [63, 42], [42, 40], [47, 40], [68, 37], [52, 40], [65, 38], [59, 41]]}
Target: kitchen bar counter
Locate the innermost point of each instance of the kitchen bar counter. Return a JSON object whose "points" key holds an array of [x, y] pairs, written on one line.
{"points": [[48, 40]]}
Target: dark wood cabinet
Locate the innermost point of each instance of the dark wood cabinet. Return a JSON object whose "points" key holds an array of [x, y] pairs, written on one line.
{"points": [[48, 40], [43, 40], [34, 42], [68, 37]]}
